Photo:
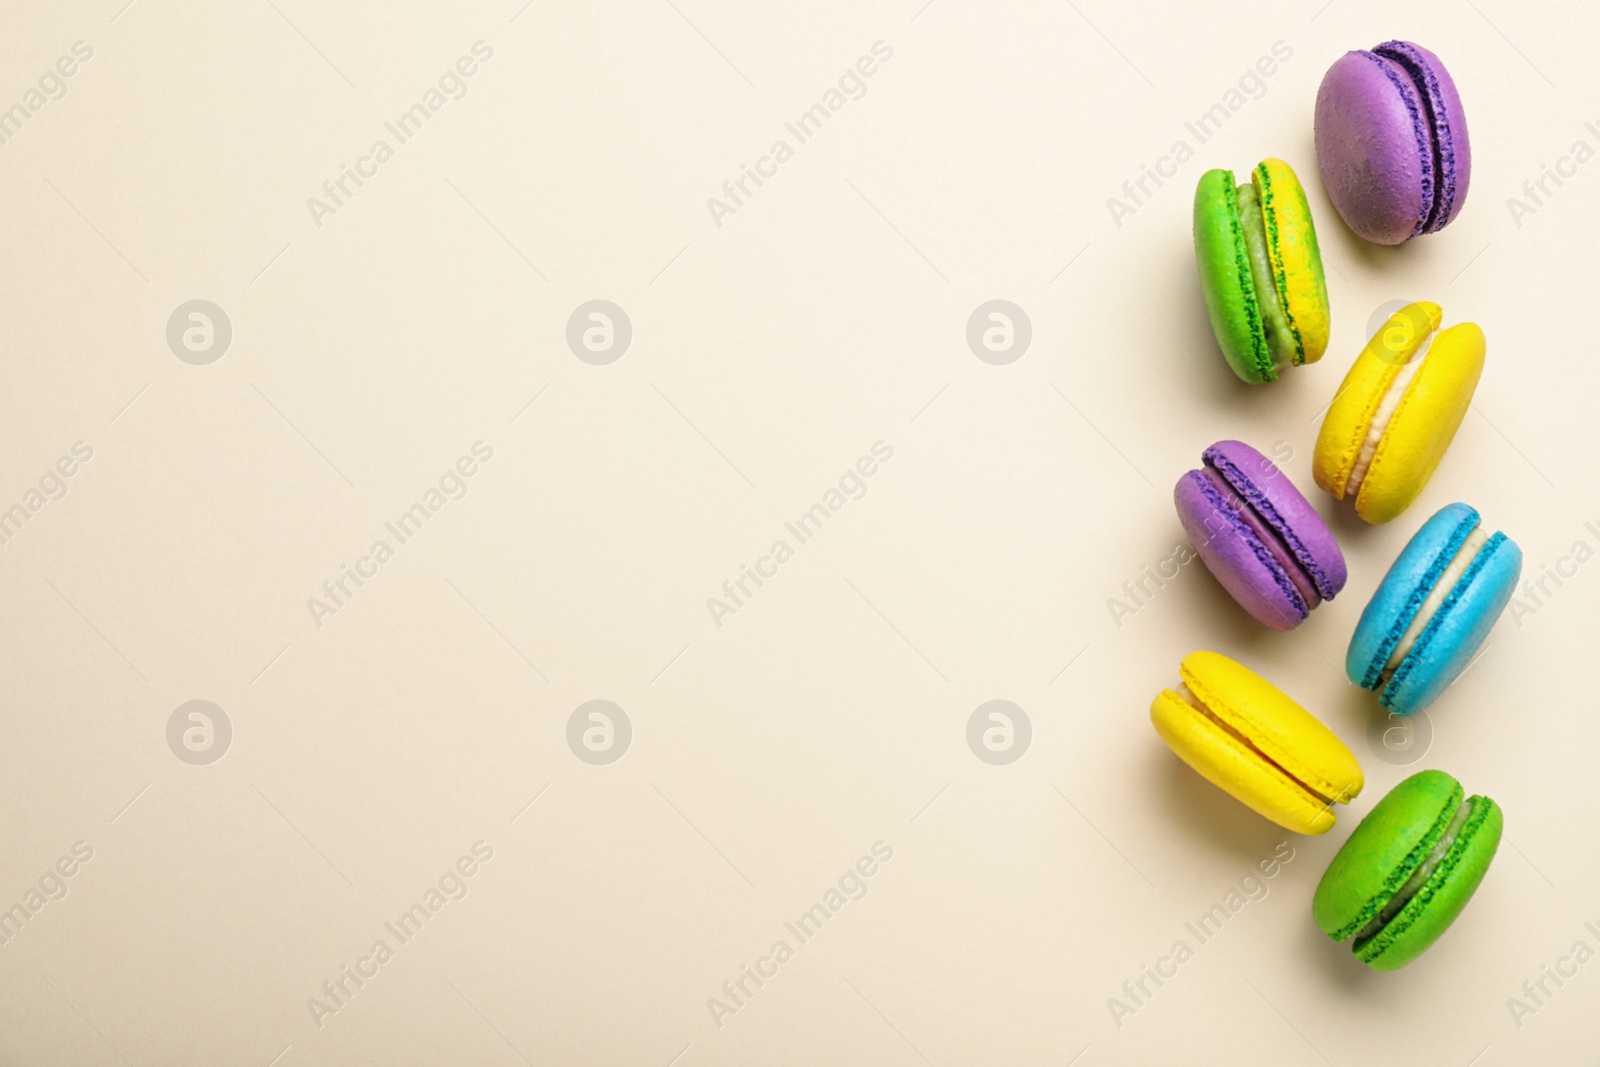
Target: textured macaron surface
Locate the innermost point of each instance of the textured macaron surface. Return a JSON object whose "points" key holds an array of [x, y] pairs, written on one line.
{"points": [[1273, 497], [1391, 141], [1457, 630], [1403, 832], [1405, 586], [1296, 257], [1277, 726], [1237, 551], [1420, 426], [1354, 406], [1424, 424], [1225, 279], [1261, 270], [1391, 842], [1445, 894], [1228, 761], [1448, 123], [1459, 626]]}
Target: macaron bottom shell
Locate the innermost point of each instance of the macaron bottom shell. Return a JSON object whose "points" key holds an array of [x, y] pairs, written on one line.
{"points": [[1442, 896], [1227, 281]]}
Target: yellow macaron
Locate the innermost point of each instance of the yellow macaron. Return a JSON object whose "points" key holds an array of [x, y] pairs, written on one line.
{"points": [[1397, 411], [1249, 739]]}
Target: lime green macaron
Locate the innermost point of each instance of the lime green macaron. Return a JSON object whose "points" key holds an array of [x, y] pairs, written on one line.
{"points": [[1261, 270], [1408, 870]]}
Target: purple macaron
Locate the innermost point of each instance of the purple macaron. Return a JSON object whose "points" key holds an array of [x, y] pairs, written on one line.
{"points": [[1267, 546], [1392, 142]]}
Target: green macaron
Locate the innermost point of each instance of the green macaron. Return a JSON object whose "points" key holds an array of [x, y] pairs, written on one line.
{"points": [[1261, 270], [1408, 870]]}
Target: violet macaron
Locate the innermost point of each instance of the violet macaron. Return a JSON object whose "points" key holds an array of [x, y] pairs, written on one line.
{"points": [[1259, 536], [1392, 142]]}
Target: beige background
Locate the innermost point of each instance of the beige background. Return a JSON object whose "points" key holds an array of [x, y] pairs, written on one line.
{"points": [[829, 713]]}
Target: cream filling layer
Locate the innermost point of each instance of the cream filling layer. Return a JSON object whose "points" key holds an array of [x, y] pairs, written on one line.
{"points": [[1199, 705], [1276, 545], [1418, 879], [1447, 581], [1380, 418]]}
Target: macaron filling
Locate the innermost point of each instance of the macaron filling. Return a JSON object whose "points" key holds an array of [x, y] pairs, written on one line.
{"points": [[1419, 877], [1393, 394], [1253, 224], [1188, 696], [1326, 572], [1454, 571], [1269, 538], [1432, 125], [1437, 562]]}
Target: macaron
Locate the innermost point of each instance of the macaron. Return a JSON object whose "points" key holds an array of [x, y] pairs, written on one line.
{"points": [[1261, 270], [1408, 870], [1397, 411], [1258, 535], [1249, 739], [1392, 142], [1433, 610]]}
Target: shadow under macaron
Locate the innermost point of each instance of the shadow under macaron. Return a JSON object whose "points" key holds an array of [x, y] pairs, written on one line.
{"points": [[1204, 812], [1336, 963], [1224, 624], [1341, 517]]}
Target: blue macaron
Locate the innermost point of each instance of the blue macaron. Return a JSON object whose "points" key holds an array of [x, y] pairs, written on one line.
{"points": [[1433, 610]]}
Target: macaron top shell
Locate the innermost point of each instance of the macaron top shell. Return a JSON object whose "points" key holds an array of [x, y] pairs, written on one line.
{"points": [[1453, 149], [1404, 831], [1462, 624], [1354, 406], [1296, 257], [1392, 142], [1419, 430], [1257, 744]]}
